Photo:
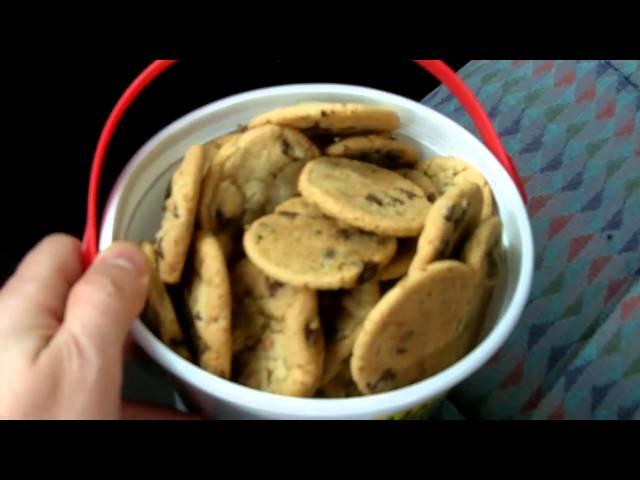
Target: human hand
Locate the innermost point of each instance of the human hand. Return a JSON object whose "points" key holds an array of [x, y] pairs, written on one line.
{"points": [[63, 332]]}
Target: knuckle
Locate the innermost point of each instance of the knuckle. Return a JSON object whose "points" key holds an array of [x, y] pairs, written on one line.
{"points": [[99, 291]]}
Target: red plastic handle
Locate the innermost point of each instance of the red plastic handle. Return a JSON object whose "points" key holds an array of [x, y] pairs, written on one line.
{"points": [[436, 67], [483, 123], [90, 238]]}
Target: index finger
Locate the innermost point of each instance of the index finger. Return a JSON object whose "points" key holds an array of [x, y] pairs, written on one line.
{"points": [[34, 297]]}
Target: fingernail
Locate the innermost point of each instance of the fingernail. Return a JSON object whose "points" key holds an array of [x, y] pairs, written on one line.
{"points": [[127, 256]]}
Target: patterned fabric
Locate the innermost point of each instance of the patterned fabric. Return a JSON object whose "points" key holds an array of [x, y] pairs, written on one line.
{"points": [[572, 127]]}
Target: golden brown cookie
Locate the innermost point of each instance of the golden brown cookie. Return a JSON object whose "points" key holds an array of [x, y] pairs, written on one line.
{"points": [[418, 316], [284, 186], [159, 314], [301, 246], [174, 236], [482, 251], [445, 172], [338, 118], [278, 338], [365, 196], [208, 298], [211, 181], [483, 254], [442, 171], [451, 218], [346, 321], [250, 166], [376, 149], [489, 207]]}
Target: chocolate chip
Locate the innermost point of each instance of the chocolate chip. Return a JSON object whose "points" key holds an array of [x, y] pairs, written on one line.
{"points": [[311, 332], [432, 197], [387, 376], [345, 233], [369, 235], [401, 350], [323, 113], [287, 214], [408, 193], [274, 286], [222, 222], [286, 148], [369, 271], [449, 213], [176, 212], [259, 238], [462, 213], [329, 253], [374, 199], [395, 201]]}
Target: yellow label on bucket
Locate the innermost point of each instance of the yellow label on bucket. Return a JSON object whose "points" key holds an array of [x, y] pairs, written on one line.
{"points": [[420, 412]]}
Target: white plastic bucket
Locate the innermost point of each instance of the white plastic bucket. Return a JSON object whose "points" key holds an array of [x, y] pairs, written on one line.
{"points": [[134, 210]]}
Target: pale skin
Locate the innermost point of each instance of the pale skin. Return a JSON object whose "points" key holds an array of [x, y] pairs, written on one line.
{"points": [[63, 333]]}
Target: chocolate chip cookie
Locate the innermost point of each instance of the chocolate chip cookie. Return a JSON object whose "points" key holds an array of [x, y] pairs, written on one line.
{"points": [[159, 314], [450, 219], [346, 321], [278, 338], [250, 166], [418, 316], [174, 236], [363, 195], [208, 296], [445, 172], [376, 149], [301, 246], [336, 118]]}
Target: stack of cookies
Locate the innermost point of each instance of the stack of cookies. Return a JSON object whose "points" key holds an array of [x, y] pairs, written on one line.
{"points": [[312, 253]]}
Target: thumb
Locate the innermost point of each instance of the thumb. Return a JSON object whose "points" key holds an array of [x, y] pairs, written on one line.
{"points": [[103, 304]]}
